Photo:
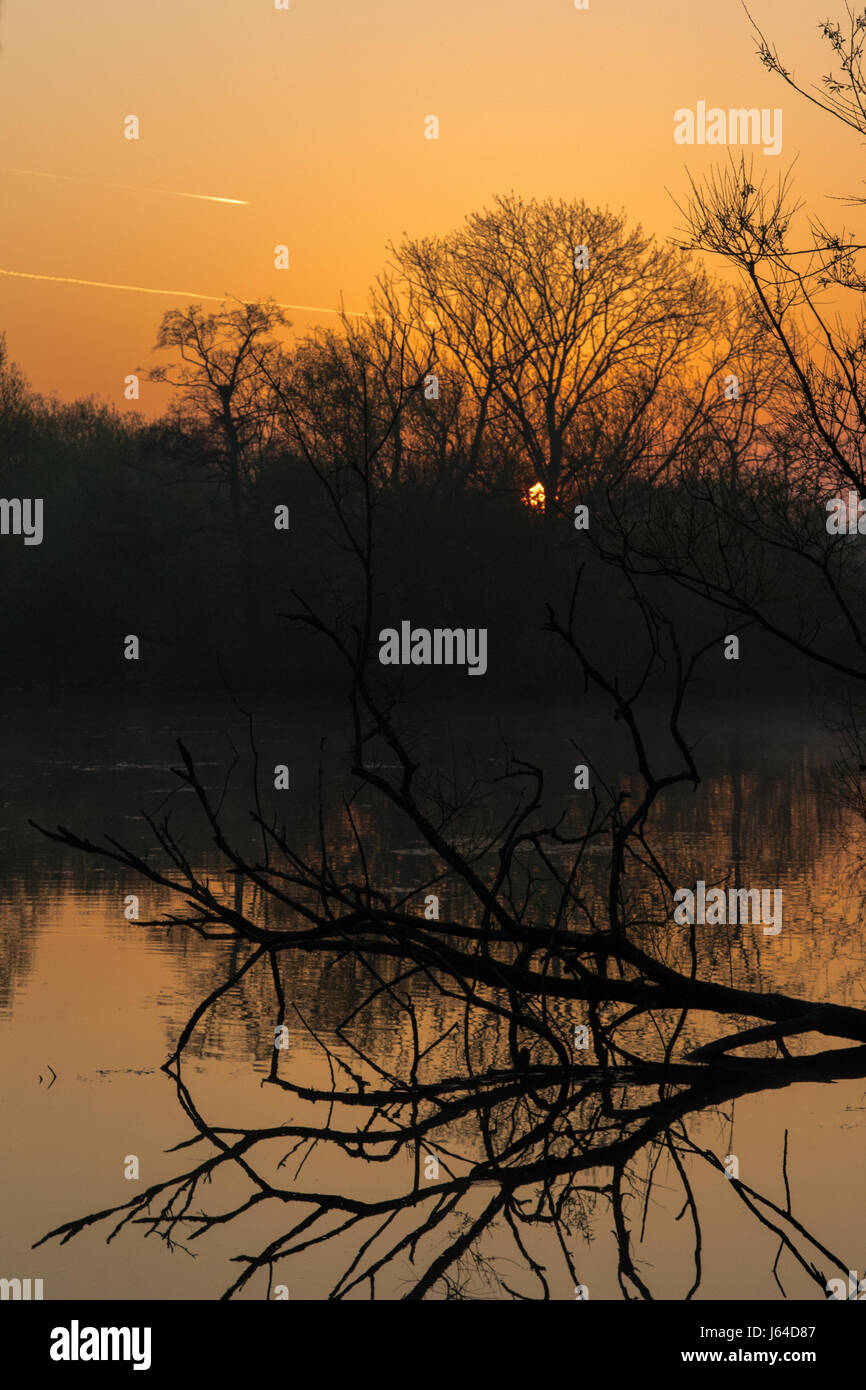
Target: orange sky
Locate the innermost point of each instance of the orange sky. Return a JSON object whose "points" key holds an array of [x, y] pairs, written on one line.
{"points": [[315, 116]]}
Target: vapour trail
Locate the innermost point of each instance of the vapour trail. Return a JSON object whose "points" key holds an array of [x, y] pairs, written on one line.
{"points": [[176, 294], [136, 188]]}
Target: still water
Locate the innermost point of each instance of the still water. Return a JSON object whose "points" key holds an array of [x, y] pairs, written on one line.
{"points": [[100, 1001]]}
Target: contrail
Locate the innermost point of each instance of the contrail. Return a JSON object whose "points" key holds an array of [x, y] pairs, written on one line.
{"points": [[176, 294], [136, 188]]}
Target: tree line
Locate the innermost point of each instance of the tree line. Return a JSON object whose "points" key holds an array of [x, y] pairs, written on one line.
{"points": [[543, 355]]}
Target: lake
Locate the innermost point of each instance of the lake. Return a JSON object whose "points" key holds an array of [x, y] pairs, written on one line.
{"points": [[99, 1000]]}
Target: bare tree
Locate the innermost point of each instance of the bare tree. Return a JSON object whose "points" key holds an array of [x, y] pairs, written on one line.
{"points": [[755, 541], [539, 940], [224, 401], [555, 313]]}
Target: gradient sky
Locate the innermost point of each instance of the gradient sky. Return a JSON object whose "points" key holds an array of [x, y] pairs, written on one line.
{"points": [[315, 116]]}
